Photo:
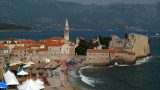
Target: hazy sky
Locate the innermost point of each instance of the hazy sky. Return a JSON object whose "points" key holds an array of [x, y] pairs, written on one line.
{"points": [[103, 2]]}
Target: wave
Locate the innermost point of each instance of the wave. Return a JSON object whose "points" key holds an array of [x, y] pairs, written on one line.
{"points": [[138, 62], [143, 60], [87, 80]]}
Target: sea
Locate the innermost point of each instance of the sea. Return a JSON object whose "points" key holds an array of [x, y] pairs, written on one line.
{"points": [[143, 75]]}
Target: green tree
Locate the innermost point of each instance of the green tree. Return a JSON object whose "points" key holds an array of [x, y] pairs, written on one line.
{"points": [[104, 41], [80, 50], [90, 45]]}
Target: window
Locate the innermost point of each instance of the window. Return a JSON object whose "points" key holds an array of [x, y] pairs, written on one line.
{"points": [[60, 48]]}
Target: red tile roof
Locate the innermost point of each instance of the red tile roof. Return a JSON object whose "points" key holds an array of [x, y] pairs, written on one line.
{"points": [[98, 50], [1, 56], [23, 41], [94, 39], [27, 46], [30, 50], [131, 53], [113, 35], [41, 49], [58, 44], [82, 38], [38, 44], [2, 46], [47, 41], [71, 44], [112, 50], [56, 38], [19, 47]]}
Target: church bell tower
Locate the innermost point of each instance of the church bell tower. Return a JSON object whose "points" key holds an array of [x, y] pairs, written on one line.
{"points": [[66, 31]]}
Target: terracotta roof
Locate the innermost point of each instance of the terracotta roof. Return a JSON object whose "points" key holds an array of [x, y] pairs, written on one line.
{"points": [[58, 44], [30, 50], [23, 41], [98, 50], [71, 44], [19, 47], [112, 50], [56, 38], [82, 38], [2, 46], [94, 39], [38, 44], [47, 41], [122, 52], [1, 56], [131, 53], [27, 46], [41, 49], [113, 35]]}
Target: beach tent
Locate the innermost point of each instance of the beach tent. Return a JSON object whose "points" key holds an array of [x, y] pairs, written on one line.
{"points": [[15, 63], [27, 65], [30, 62], [10, 78], [39, 82], [22, 73], [30, 85], [3, 85]]}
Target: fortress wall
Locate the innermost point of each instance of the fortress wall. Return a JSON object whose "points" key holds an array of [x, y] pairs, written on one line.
{"points": [[140, 44]]}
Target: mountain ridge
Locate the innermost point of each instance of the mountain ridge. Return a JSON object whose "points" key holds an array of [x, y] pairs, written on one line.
{"points": [[48, 14]]}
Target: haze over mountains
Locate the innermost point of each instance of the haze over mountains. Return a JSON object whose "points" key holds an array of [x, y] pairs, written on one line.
{"points": [[51, 14], [106, 2]]}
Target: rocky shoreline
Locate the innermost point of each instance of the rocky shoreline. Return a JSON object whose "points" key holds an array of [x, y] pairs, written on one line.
{"points": [[83, 64]]}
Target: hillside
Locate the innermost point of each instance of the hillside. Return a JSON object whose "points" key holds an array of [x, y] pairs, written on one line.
{"points": [[50, 14], [14, 28]]}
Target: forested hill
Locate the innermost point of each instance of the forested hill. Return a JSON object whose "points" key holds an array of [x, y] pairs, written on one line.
{"points": [[51, 14], [14, 28]]}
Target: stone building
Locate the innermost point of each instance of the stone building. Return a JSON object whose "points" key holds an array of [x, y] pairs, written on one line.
{"points": [[139, 44], [1, 67], [117, 42], [37, 46], [19, 53], [98, 56], [4, 51]]}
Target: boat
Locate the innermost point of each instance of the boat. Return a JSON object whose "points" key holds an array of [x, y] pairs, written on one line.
{"points": [[157, 34]]}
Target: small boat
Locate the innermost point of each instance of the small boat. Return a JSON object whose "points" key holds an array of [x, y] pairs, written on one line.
{"points": [[157, 34]]}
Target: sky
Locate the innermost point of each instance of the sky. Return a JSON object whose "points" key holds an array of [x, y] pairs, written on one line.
{"points": [[106, 2]]}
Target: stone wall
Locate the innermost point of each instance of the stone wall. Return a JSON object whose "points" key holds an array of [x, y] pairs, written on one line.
{"points": [[139, 44], [97, 58], [117, 42]]}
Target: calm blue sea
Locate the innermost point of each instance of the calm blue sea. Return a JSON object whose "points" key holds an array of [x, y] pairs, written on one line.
{"points": [[144, 75]]}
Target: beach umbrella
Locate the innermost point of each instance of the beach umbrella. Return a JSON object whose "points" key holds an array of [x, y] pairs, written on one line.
{"points": [[22, 73], [3, 85], [30, 62], [30, 85], [27, 65], [39, 82], [15, 63]]}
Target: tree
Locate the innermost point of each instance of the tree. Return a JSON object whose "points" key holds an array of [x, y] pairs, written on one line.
{"points": [[80, 50], [104, 41], [90, 45]]}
